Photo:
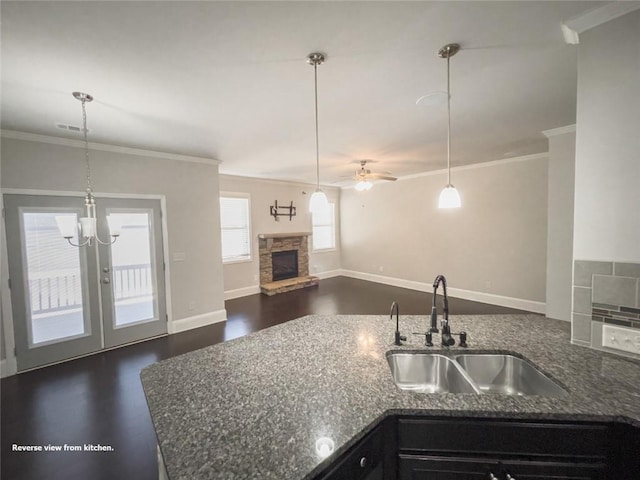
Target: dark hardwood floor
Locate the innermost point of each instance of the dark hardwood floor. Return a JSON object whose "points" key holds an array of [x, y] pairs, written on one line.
{"points": [[99, 399]]}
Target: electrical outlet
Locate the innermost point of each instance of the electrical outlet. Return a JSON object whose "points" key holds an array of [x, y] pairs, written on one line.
{"points": [[619, 338], [381, 268], [191, 306]]}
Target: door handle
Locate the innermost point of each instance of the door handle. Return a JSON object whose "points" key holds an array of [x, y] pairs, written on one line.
{"points": [[106, 280]]}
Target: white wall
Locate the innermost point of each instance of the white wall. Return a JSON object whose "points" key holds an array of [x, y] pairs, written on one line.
{"points": [[192, 210], [243, 278], [496, 243], [562, 154], [607, 182]]}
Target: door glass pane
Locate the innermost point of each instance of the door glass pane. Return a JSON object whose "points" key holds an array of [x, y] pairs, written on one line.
{"points": [[54, 282], [132, 270]]}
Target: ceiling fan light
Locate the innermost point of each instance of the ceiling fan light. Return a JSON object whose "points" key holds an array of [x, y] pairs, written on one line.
{"points": [[318, 202], [449, 198], [363, 185]]}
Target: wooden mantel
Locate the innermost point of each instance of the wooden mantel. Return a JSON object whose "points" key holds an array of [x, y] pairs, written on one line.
{"points": [[284, 235]]}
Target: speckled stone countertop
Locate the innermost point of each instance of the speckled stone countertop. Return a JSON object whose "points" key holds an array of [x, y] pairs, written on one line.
{"points": [[254, 407]]}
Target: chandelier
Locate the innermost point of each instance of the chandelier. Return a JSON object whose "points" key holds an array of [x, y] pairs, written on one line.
{"points": [[86, 228]]}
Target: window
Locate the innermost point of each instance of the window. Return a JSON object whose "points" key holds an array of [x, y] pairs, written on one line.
{"points": [[235, 228], [324, 229]]}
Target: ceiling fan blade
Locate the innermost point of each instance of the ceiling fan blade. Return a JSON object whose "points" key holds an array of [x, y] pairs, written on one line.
{"points": [[378, 176]]}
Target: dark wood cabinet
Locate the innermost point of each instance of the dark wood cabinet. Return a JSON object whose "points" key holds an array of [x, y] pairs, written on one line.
{"points": [[372, 458], [432, 448], [480, 448]]}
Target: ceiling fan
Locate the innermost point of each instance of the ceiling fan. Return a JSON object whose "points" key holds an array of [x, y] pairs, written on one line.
{"points": [[364, 176]]}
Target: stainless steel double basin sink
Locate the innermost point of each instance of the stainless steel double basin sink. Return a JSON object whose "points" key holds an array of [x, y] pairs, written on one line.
{"points": [[479, 373]]}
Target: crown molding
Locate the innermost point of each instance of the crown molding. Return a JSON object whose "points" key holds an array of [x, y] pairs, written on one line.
{"points": [[559, 131], [492, 163], [67, 142], [572, 28], [274, 181]]}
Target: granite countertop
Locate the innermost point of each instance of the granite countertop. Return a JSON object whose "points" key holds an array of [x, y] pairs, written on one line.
{"points": [[254, 407]]}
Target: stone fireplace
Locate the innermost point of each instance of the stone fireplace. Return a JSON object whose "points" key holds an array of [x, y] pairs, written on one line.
{"points": [[284, 262]]}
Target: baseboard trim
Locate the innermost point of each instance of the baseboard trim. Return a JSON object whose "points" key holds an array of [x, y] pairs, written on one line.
{"points": [[393, 281], [503, 301], [241, 292], [328, 274], [8, 367], [511, 302], [189, 323]]}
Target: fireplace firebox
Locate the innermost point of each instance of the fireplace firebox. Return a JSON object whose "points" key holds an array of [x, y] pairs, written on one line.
{"points": [[284, 264]]}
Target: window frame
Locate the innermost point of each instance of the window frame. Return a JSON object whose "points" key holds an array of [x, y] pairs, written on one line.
{"points": [[243, 259], [332, 224]]}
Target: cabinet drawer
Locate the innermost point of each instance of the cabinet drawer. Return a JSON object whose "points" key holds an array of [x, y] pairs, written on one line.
{"points": [[413, 467], [504, 437], [442, 468]]}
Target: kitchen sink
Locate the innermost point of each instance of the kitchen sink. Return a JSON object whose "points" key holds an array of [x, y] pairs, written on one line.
{"points": [[469, 373], [507, 374], [428, 373]]}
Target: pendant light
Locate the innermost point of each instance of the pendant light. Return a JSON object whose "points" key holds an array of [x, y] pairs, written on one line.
{"points": [[87, 227], [449, 197], [318, 202]]}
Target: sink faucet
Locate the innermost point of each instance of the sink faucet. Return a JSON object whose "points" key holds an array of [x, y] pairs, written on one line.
{"points": [[398, 338], [447, 339]]}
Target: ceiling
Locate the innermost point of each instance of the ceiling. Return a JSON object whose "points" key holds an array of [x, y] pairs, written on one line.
{"points": [[229, 80]]}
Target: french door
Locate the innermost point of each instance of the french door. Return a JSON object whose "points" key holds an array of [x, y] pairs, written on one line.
{"points": [[69, 301]]}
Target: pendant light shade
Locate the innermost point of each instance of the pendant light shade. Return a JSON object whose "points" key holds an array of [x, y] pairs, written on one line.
{"points": [[318, 202], [449, 197]]}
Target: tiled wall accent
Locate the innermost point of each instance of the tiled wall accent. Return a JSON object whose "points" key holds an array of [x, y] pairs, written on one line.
{"points": [[604, 293], [614, 315]]}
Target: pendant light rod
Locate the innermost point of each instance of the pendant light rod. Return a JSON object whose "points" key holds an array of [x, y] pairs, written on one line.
{"points": [[316, 59], [447, 52], [315, 77]]}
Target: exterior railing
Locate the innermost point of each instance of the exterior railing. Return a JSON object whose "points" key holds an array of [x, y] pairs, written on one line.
{"points": [[62, 290]]}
